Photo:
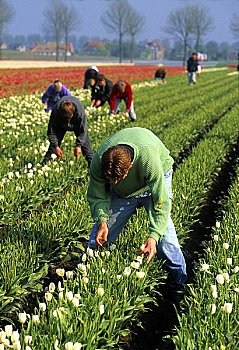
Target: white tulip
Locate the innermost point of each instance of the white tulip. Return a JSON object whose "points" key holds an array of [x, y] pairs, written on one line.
{"points": [[60, 272], [69, 346], [226, 276], [127, 271], [28, 348], [220, 279], [1, 346], [48, 296], [100, 291], [227, 308], [75, 302], [2, 336], [77, 346], [236, 269], [8, 330], [140, 274], [135, 264], [52, 287], [16, 345], [85, 279], [213, 309], [229, 261], [15, 336], [42, 307], [69, 295], [225, 245], [22, 316], [84, 257], [69, 275], [35, 319], [118, 277], [28, 339], [216, 238], [205, 267], [218, 224], [213, 288], [102, 309]]}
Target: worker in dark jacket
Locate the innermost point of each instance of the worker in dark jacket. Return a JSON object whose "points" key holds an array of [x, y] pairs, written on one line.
{"points": [[101, 91], [90, 73], [68, 115], [192, 68], [160, 75], [53, 94]]}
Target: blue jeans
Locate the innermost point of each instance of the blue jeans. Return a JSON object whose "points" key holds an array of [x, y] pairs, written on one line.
{"points": [[168, 247], [132, 113], [191, 78]]}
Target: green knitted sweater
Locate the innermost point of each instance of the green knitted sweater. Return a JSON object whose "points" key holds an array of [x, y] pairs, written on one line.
{"points": [[151, 161]]}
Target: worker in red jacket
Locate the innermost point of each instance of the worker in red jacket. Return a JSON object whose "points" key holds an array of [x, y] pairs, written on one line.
{"points": [[122, 91]]}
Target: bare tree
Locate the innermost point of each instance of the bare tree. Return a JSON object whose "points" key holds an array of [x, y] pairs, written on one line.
{"points": [[70, 21], [6, 14], [180, 26], [134, 26], [53, 22], [202, 23], [234, 26], [115, 21]]}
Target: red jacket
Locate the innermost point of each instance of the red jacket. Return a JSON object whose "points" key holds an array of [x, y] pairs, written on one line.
{"points": [[127, 96]]}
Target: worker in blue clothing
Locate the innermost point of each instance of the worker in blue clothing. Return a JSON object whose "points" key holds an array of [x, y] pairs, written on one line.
{"points": [[53, 94]]}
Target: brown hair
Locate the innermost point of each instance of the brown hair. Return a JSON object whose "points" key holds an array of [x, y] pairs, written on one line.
{"points": [[101, 77], [115, 163], [120, 85], [68, 109]]}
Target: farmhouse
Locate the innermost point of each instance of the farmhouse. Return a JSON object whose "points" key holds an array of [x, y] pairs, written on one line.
{"points": [[49, 49]]}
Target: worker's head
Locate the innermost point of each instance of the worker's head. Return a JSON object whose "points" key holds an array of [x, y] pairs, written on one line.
{"points": [[67, 109], [57, 85], [194, 55], [92, 81], [121, 85], [101, 80], [116, 163]]}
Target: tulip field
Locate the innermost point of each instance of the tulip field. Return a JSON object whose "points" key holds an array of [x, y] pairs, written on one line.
{"points": [[47, 301]]}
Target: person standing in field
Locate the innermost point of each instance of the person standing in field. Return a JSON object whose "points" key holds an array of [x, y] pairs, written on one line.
{"points": [[68, 115], [160, 75], [122, 90], [101, 91], [133, 169], [53, 94], [192, 68], [90, 73]]}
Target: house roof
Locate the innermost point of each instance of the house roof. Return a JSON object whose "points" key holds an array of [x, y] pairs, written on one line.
{"points": [[51, 47], [94, 44]]}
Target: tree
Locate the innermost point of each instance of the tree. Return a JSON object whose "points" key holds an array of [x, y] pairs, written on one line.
{"points": [[6, 14], [212, 50], [202, 23], [53, 22], [234, 26], [115, 21], [70, 21], [180, 26], [134, 26]]}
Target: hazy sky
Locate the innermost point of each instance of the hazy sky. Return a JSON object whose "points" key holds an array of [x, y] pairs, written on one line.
{"points": [[28, 17]]}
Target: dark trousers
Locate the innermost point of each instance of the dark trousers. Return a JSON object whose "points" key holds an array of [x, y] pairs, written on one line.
{"points": [[85, 147]]}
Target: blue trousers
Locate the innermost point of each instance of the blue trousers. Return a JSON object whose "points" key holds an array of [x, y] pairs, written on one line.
{"points": [[168, 247]]}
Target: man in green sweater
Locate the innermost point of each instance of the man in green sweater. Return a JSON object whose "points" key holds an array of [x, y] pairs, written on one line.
{"points": [[131, 169]]}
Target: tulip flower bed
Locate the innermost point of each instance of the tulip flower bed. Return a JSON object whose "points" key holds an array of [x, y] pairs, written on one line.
{"points": [[215, 292], [22, 81], [91, 307]]}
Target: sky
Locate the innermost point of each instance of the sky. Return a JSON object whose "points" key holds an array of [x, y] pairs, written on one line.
{"points": [[29, 17]]}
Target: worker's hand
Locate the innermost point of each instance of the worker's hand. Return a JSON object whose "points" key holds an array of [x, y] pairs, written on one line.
{"points": [[113, 112], [58, 152], [93, 103], [150, 248], [98, 103], [102, 234], [77, 151]]}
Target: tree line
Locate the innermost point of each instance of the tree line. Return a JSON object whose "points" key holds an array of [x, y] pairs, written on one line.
{"points": [[186, 25]]}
